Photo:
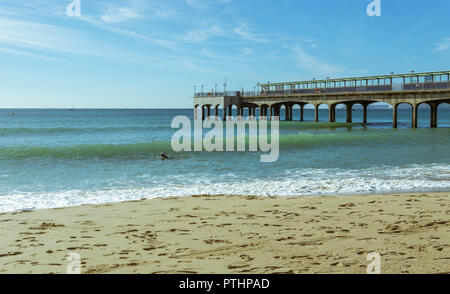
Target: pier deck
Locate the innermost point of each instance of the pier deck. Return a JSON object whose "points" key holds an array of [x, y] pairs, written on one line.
{"points": [[415, 89]]}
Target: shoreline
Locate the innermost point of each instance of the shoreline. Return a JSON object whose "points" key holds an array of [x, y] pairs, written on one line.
{"points": [[234, 234], [361, 194]]}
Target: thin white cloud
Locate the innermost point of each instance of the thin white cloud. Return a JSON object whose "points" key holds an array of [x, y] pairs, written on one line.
{"points": [[25, 53], [36, 40], [7, 12], [119, 14], [245, 52], [443, 46], [202, 4], [314, 65], [243, 31], [37, 36], [204, 34]]}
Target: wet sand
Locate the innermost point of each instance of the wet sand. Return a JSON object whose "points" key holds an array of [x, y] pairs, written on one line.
{"points": [[234, 234]]}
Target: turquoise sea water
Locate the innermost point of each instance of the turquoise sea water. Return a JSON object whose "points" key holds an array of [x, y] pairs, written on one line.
{"points": [[55, 158]]}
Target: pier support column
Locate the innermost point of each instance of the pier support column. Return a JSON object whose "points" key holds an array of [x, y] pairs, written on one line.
{"points": [[434, 110], [332, 113], [395, 116], [216, 112], [263, 113], [286, 112], [277, 111], [349, 113], [209, 110], [302, 108], [239, 113], [291, 111], [316, 113], [195, 112], [224, 114], [230, 110], [414, 116], [365, 113], [203, 112]]}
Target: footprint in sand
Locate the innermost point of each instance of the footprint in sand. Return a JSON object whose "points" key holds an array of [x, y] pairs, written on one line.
{"points": [[11, 254]]}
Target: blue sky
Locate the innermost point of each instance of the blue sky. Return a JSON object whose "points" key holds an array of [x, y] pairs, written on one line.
{"points": [[149, 54]]}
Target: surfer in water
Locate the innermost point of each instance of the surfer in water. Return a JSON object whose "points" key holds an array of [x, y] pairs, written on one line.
{"points": [[163, 156]]}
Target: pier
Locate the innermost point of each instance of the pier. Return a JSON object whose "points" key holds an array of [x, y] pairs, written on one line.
{"points": [[415, 89]]}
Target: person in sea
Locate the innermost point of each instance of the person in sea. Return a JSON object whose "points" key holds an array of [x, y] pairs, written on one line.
{"points": [[164, 156]]}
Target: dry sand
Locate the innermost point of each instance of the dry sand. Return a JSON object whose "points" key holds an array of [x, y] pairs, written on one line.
{"points": [[234, 234]]}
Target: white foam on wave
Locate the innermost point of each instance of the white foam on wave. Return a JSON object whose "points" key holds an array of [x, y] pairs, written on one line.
{"points": [[291, 183]]}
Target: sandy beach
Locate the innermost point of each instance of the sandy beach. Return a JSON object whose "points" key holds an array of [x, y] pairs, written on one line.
{"points": [[234, 234]]}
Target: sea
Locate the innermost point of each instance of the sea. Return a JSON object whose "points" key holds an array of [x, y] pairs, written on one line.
{"points": [[67, 157]]}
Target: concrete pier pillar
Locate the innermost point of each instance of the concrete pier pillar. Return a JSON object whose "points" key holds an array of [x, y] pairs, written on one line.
{"points": [[195, 112], [414, 117], [209, 110], [203, 112], [277, 111], [349, 113], [433, 114], [395, 116], [230, 110], [302, 108], [332, 113], [365, 113], [216, 112], [286, 113], [239, 113], [224, 114], [291, 107], [316, 113], [262, 113]]}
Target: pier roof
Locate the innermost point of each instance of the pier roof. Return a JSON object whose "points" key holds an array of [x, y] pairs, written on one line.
{"points": [[366, 78]]}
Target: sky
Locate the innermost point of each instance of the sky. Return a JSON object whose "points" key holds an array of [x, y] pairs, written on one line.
{"points": [[150, 54]]}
